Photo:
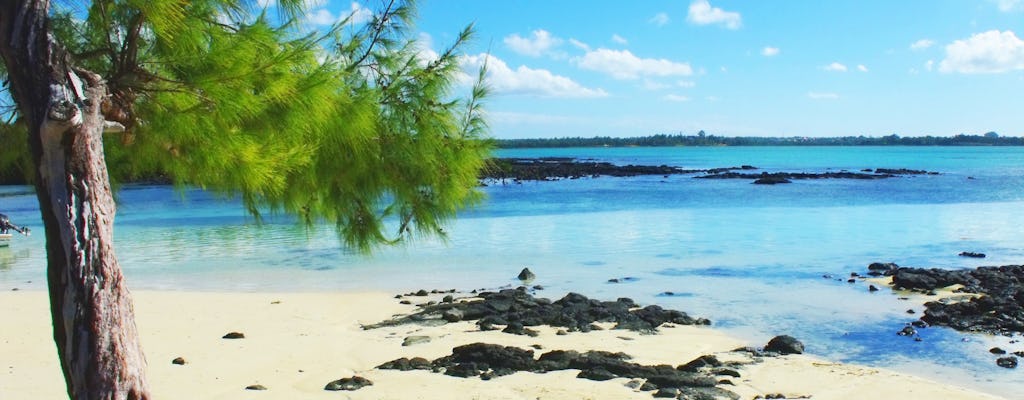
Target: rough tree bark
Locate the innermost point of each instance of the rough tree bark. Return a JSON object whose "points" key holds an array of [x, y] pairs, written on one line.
{"points": [[93, 323]]}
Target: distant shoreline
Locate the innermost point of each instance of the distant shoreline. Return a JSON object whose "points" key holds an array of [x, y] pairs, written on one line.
{"points": [[704, 140]]}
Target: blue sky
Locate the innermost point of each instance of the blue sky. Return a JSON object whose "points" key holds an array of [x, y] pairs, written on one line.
{"points": [[738, 68]]}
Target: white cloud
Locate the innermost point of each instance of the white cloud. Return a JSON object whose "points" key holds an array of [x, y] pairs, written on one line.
{"points": [[862, 68], [770, 51], [622, 64], [540, 42], [822, 96], [835, 67], [266, 3], [1009, 5], [675, 97], [686, 84], [659, 19], [929, 65], [527, 81], [654, 85], [580, 45], [702, 13], [619, 39], [321, 16], [988, 52], [922, 44]]}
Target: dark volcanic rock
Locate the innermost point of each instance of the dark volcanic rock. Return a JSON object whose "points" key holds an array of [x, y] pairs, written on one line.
{"points": [[705, 361], [880, 269], [552, 168], [488, 361], [178, 361], [526, 275], [926, 279], [971, 254], [771, 180], [1007, 362], [784, 344], [575, 312], [255, 387], [353, 383], [234, 335], [998, 310]]}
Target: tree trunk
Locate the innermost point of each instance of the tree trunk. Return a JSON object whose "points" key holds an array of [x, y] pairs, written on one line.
{"points": [[93, 324]]}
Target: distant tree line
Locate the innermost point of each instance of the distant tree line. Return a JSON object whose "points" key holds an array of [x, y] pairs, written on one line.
{"points": [[703, 139]]}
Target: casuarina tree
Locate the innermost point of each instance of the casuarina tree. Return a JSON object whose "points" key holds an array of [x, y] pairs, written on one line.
{"points": [[357, 125]]}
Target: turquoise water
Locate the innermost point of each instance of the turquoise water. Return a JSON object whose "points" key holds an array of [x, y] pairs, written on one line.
{"points": [[749, 257]]}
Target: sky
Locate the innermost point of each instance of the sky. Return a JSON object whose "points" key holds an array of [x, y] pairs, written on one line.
{"points": [[736, 68]]}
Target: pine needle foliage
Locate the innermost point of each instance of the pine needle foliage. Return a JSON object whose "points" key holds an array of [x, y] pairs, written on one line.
{"points": [[354, 126]]}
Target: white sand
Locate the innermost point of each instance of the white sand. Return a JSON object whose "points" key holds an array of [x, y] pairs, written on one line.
{"points": [[298, 345]]}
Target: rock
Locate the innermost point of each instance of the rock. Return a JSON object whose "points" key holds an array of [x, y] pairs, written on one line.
{"points": [[668, 393], [178, 361], [255, 387], [526, 275], [421, 293], [771, 180], [872, 288], [406, 302], [996, 350], [784, 344], [907, 331], [561, 332], [596, 374], [851, 280], [453, 315], [414, 340], [704, 361], [353, 383], [1007, 362], [882, 269], [971, 254], [234, 335], [447, 299], [573, 312], [405, 364], [516, 328]]}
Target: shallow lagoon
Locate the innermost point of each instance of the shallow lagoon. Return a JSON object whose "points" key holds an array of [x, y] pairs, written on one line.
{"points": [[749, 257]]}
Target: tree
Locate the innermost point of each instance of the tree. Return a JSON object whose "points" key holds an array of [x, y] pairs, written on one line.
{"points": [[352, 125]]}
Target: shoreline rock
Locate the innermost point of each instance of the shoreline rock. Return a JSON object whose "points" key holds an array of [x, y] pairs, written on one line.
{"points": [[517, 310]]}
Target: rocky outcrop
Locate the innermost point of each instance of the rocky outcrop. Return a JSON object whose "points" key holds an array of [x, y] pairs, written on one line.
{"points": [[998, 308], [516, 309], [784, 177], [488, 361], [553, 168], [348, 384], [784, 344]]}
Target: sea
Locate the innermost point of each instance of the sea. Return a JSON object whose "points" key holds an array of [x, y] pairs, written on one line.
{"points": [[757, 260]]}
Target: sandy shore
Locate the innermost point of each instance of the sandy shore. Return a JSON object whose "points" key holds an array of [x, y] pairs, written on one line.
{"points": [[295, 343]]}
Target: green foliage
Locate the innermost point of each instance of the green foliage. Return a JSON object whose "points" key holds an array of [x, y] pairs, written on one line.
{"points": [[350, 126]]}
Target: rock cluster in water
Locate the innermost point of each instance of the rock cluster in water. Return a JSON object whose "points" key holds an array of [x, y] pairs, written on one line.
{"points": [[555, 168], [998, 308], [516, 309]]}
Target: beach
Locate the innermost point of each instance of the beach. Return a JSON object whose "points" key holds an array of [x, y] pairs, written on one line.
{"points": [[295, 343]]}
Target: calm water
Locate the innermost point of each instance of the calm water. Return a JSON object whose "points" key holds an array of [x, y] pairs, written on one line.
{"points": [[749, 257]]}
